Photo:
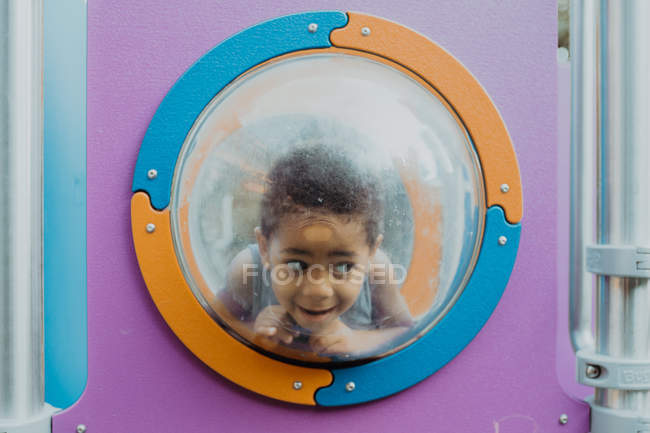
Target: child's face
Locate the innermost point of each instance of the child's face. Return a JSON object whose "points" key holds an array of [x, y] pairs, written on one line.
{"points": [[318, 262]]}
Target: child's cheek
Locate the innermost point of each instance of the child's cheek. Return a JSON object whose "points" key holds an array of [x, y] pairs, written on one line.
{"points": [[349, 293], [283, 293], [356, 277]]}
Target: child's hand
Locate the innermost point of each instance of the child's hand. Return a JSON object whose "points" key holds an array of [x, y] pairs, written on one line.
{"points": [[339, 340], [275, 325]]}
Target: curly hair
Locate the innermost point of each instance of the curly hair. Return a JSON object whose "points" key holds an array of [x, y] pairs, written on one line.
{"points": [[325, 179]]}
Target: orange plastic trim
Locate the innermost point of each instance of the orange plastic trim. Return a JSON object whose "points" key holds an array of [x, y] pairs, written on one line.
{"points": [[463, 92], [424, 61], [197, 330]]}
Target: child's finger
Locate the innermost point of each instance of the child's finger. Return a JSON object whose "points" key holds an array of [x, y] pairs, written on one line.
{"points": [[336, 348], [268, 331], [287, 324], [331, 344], [314, 343], [286, 335], [269, 343], [320, 344]]}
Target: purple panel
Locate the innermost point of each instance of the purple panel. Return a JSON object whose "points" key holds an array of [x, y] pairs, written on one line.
{"points": [[141, 379]]}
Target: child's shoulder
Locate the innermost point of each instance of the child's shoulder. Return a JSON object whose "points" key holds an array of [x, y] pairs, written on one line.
{"points": [[243, 263], [241, 274]]}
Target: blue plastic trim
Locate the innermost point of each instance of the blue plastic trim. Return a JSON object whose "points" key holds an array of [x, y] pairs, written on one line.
{"points": [[64, 165], [180, 109], [442, 343], [207, 77]]}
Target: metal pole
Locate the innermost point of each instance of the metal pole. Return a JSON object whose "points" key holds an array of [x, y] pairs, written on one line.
{"points": [[622, 325], [583, 15], [618, 367], [21, 137]]}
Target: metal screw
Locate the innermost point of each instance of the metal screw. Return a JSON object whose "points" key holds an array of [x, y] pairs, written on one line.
{"points": [[81, 428], [365, 31], [349, 387], [505, 188], [297, 385], [503, 240], [152, 174], [151, 227], [593, 371], [564, 418], [312, 27]]}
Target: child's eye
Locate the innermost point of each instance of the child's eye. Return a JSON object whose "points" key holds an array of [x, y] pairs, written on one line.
{"points": [[343, 268], [297, 265]]}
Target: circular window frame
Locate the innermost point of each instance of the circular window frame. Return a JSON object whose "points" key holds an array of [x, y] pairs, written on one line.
{"points": [[362, 35], [422, 253]]}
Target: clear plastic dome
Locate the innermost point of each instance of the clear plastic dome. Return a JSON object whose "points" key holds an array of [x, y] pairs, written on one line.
{"points": [[327, 208]]}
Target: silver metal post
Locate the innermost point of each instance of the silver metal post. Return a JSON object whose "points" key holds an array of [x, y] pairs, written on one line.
{"points": [[623, 212], [619, 365], [584, 14], [21, 295]]}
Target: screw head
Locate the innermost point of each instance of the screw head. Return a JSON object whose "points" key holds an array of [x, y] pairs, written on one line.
{"points": [[152, 174], [312, 27], [151, 227], [564, 418], [593, 371], [349, 387], [81, 428], [503, 240], [505, 188], [365, 31], [297, 385]]}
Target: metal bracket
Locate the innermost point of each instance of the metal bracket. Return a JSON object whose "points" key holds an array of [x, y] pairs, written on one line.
{"points": [[606, 420], [618, 260], [602, 371]]}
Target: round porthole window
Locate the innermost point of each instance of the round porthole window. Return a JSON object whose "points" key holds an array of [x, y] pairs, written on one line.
{"points": [[316, 210], [327, 208]]}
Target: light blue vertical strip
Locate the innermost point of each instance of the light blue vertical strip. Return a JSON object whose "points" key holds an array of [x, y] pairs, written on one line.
{"points": [[66, 365]]}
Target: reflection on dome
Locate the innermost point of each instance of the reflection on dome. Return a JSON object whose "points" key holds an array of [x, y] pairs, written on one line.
{"points": [[327, 208]]}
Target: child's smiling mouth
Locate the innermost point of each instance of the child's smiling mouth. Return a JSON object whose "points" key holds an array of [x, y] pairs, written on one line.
{"points": [[316, 315]]}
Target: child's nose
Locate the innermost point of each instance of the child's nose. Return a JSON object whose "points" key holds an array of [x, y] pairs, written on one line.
{"points": [[317, 284]]}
